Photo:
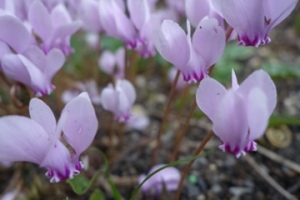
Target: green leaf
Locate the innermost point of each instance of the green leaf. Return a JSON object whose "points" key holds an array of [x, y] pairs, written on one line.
{"points": [[97, 195], [110, 43], [282, 71], [81, 185], [278, 120]]}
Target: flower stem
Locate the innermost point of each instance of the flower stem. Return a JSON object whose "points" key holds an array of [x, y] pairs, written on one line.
{"points": [[188, 167], [5, 80], [162, 125], [182, 132]]}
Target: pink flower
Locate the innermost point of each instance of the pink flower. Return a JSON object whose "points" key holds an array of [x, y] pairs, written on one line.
{"points": [[113, 63], [40, 140], [239, 115], [254, 19], [33, 68], [55, 28], [169, 177], [192, 56], [119, 99]]}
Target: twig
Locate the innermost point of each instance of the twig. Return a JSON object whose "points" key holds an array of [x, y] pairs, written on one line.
{"points": [[162, 125], [188, 167], [268, 178], [275, 157]]}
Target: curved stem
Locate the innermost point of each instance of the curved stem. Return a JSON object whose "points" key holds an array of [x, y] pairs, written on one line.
{"points": [[188, 167], [182, 132], [162, 125]]}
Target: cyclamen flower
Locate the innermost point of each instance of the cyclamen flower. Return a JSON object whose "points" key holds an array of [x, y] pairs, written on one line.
{"points": [[254, 19], [33, 68], [181, 84], [239, 115], [169, 177], [113, 63], [38, 139], [192, 56], [119, 99], [55, 28]]}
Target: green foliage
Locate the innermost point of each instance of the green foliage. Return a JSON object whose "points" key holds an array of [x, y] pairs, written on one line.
{"points": [[97, 195], [278, 120], [231, 59], [282, 71], [110, 43]]}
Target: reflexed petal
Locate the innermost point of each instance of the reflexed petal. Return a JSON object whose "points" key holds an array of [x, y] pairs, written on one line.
{"points": [[22, 139], [246, 17], [262, 80], [60, 16], [4, 49], [55, 60], [196, 10], [139, 12], [234, 82], [40, 20], [109, 99], [81, 124], [14, 33], [277, 10], [43, 115], [257, 110], [124, 106], [36, 56], [107, 62], [120, 59], [128, 89], [208, 96], [209, 41], [89, 14], [230, 122], [171, 42], [15, 69]]}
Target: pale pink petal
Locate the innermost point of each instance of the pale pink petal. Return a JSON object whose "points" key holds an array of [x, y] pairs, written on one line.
{"points": [[109, 99], [258, 115], [4, 49], [234, 82], [208, 97], [171, 42], [14, 33], [107, 62], [81, 124], [89, 14], [128, 89], [60, 16], [230, 122], [196, 10], [55, 60], [43, 115], [36, 56], [120, 60], [40, 20], [209, 41], [139, 12], [262, 80], [22, 139]]}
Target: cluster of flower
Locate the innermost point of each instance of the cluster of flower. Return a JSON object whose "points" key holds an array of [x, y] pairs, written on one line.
{"points": [[35, 40]]}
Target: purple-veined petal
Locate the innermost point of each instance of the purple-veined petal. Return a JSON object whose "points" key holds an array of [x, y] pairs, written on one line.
{"points": [[258, 115], [208, 96], [209, 41], [40, 20], [14, 33], [107, 62], [139, 12], [262, 80], [276, 11], [80, 124], [171, 42], [22, 139], [55, 59], [230, 122], [43, 115], [128, 89], [196, 10], [246, 17]]}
